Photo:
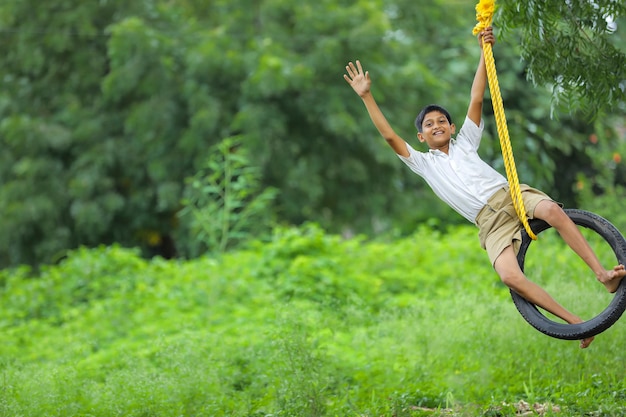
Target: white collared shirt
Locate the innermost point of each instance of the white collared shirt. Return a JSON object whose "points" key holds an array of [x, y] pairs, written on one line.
{"points": [[460, 178]]}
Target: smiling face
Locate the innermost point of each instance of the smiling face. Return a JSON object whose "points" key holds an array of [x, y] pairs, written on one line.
{"points": [[436, 131]]}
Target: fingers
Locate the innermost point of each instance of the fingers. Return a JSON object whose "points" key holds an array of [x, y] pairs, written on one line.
{"points": [[350, 71], [487, 36], [353, 71]]}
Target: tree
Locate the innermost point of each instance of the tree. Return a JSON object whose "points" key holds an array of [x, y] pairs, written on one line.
{"points": [[55, 189], [108, 107]]}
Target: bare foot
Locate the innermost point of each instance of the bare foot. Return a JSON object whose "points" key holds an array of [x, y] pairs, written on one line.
{"points": [[584, 344], [612, 278]]}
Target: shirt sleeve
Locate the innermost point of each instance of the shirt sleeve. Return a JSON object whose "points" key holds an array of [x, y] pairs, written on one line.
{"points": [[470, 133], [415, 160]]}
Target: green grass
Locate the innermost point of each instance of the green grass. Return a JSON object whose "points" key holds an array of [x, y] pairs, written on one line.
{"points": [[306, 325]]}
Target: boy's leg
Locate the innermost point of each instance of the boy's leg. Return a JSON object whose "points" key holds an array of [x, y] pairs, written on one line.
{"points": [[554, 215], [512, 276]]}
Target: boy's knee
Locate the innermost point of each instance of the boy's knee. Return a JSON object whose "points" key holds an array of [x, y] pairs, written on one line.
{"points": [[550, 211]]}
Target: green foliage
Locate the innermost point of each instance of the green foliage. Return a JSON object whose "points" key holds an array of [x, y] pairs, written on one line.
{"points": [[574, 47], [225, 202], [65, 178], [57, 300], [107, 107], [308, 324], [601, 186]]}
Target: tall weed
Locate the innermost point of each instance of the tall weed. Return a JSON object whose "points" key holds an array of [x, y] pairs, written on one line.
{"points": [[224, 204]]}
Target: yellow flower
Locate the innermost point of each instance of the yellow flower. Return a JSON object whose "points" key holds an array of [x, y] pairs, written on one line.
{"points": [[484, 14]]}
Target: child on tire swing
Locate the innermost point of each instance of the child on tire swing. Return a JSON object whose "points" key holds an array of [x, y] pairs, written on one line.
{"points": [[457, 175]]}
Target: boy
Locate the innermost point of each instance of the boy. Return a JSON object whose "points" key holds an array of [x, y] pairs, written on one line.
{"points": [[457, 175]]}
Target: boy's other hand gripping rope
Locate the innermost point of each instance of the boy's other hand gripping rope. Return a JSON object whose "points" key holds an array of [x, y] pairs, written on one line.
{"points": [[484, 15]]}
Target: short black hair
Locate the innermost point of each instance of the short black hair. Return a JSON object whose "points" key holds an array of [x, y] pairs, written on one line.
{"points": [[430, 108]]}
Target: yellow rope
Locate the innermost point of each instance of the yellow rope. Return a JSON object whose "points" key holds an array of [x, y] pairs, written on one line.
{"points": [[484, 15]]}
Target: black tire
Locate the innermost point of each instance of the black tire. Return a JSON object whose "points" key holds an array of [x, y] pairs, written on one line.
{"points": [[609, 315]]}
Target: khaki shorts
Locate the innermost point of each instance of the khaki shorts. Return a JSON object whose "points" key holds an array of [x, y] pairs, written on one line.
{"points": [[498, 222]]}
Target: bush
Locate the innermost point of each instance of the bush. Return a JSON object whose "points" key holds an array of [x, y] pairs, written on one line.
{"points": [[307, 324]]}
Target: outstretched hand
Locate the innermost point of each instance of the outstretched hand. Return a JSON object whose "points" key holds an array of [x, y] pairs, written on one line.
{"points": [[358, 80], [486, 36]]}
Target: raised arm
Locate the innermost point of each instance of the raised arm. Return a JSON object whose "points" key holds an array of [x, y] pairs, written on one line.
{"points": [[475, 110], [360, 82]]}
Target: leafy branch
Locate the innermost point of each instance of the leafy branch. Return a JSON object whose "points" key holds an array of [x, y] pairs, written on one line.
{"points": [[572, 47]]}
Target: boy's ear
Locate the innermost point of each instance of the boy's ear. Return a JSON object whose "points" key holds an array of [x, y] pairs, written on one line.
{"points": [[453, 128], [420, 137]]}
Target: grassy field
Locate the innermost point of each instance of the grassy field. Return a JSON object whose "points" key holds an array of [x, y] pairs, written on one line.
{"points": [[305, 325]]}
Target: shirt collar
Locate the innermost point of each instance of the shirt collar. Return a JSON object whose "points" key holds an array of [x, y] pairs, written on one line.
{"points": [[438, 152]]}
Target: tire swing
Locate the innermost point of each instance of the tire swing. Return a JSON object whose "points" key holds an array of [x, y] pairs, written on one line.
{"points": [[484, 14], [609, 315]]}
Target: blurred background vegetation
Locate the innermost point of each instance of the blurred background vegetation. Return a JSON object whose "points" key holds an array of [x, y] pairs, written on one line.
{"points": [[185, 126]]}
